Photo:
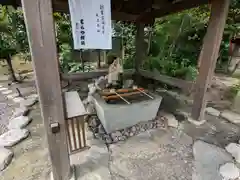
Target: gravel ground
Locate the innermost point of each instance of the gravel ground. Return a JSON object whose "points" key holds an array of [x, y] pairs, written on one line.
{"points": [[6, 108], [31, 160], [153, 155]]}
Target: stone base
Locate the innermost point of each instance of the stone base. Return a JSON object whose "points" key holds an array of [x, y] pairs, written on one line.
{"points": [[120, 116], [98, 131], [191, 120], [195, 122], [73, 176]]}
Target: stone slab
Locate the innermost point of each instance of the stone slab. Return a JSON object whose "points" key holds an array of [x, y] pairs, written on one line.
{"points": [[234, 150], [18, 99], [120, 116], [21, 111], [208, 159], [19, 122], [231, 116], [7, 92], [229, 171], [212, 111], [28, 102], [11, 96], [12, 137], [34, 96], [3, 89], [5, 158]]}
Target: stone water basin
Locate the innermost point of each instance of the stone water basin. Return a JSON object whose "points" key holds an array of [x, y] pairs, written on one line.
{"points": [[120, 116]]}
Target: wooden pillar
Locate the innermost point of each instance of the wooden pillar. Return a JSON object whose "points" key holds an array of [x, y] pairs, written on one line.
{"points": [[105, 60], [139, 43], [209, 54], [99, 58], [41, 35]]}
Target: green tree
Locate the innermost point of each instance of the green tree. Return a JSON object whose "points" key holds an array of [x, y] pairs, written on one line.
{"points": [[13, 37]]}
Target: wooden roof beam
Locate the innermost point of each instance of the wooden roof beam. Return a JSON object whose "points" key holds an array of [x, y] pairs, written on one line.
{"points": [[170, 9], [62, 6], [177, 7]]}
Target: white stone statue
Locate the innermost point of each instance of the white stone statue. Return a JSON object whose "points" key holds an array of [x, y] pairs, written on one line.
{"points": [[114, 69]]}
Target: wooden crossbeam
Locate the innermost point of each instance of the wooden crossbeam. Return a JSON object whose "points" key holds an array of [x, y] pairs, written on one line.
{"points": [[177, 7], [164, 9], [144, 11], [175, 82], [62, 6]]}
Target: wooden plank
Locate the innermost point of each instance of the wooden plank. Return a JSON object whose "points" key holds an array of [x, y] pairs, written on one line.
{"points": [[62, 6], [79, 131], [139, 44], [41, 36], [90, 75], [82, 122], [175, 82], [209, 54], [176, 7], [69, 135], [74, 105], [74, 133], [159, 8], [84, 75]]}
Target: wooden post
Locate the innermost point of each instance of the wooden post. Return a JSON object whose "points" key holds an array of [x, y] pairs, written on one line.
{"points": [[139, 43], [41, 35], [99, 58], [105, 57], [209, 54]]}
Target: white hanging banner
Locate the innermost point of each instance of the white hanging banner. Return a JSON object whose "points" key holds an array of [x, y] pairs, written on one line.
{"points": [[91, 24]]}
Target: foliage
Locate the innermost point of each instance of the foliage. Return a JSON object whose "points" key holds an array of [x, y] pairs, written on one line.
{"points": [[65, 45], [68, 64], [63, 29], [13, 37], [127, 32], [175, 41]]}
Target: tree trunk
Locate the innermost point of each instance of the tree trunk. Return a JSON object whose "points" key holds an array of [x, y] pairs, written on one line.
{"points": [[10, 69]]}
